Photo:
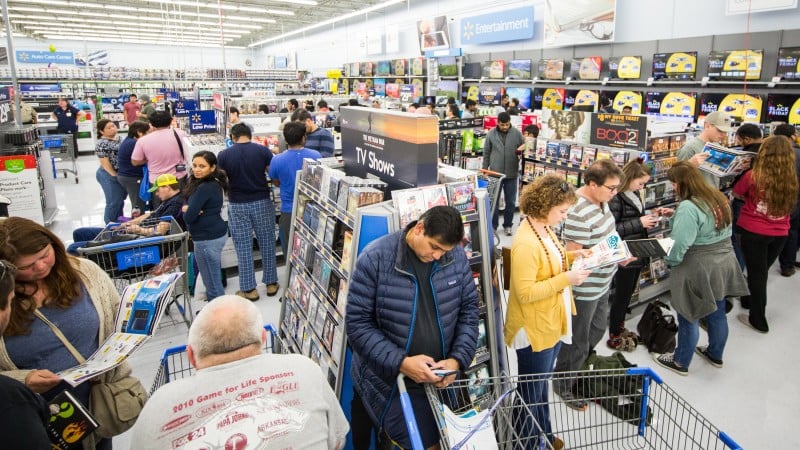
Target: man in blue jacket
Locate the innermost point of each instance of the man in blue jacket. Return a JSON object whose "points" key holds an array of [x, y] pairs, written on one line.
{"points": [[412, 307]]}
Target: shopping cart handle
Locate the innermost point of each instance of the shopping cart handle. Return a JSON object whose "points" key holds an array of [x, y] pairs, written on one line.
{"points": [[408, 414], [727, 440]]}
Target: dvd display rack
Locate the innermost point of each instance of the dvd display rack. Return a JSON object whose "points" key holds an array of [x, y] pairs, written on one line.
{"points": [[461, 142], [329, 226]]}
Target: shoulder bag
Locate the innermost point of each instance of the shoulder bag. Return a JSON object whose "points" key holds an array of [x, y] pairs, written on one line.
{"points": [[657, 328], [115, 404]]}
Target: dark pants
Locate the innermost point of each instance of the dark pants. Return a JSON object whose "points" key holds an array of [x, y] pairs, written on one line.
{"points": [[588, 327], [131, 185], [80, 236], [284, 228], [509, 188], [625, 281], [534, 393], [759, 253], [736, 208], [361, 427], [788, 255]]}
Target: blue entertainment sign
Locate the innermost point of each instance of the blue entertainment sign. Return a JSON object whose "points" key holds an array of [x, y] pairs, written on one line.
{"points": [[184, 107], [44, 57], [201, 122], [509, 25]]}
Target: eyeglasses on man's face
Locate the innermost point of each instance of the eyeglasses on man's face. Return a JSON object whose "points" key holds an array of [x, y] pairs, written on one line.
{"points": [[611, 188]]}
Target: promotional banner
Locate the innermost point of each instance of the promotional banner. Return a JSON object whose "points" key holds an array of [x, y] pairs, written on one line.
{"points": [[433, 34], [398, 148], [19, 181], [788, 63], [576, 22], [183, 107], [671, 103], [619, 130], [40, 88], [783, 108], [743, 108], [509, 25], [201, 122], [44, 57], [566, 125]]}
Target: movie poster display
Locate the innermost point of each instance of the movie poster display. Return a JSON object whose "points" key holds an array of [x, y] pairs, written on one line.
{"points": [[619, 130], [566, 125], [396, 147]]}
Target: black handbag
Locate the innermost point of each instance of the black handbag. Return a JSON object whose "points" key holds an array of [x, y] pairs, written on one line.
{"points": [[657, 328]]}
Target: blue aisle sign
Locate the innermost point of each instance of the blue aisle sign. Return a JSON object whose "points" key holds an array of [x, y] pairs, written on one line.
{"points": [[509, 25], [44, 57], [184, 107], [37, 88], [201, 122]]}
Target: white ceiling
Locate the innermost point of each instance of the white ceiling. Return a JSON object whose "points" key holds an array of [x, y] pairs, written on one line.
{"points": [[171, 22]]}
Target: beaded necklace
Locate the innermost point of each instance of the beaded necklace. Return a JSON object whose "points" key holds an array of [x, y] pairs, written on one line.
{"points": [[544, 246]]}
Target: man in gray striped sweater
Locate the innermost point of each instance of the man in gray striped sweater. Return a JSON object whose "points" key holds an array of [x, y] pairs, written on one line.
{"points": [[588, 222]]}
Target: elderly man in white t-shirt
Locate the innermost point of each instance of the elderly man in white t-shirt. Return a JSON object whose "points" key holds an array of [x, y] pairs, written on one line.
{"points": [[241, 398]]}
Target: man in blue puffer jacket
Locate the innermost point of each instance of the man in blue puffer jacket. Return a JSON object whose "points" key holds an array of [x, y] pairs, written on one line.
{"points": [[412, 307]]}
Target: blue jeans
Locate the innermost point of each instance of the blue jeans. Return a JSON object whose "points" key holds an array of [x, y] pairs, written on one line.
{"points": [[208, 255], [80, 236], [115, 195], [509, 188], [689, 333], [534, 393]]}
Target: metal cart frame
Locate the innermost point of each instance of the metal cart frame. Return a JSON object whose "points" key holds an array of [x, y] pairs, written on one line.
{"points": [[65, 152], [629, 408], [130, 261]]}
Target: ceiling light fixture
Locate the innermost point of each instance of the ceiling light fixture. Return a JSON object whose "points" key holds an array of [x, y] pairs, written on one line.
{"points": [[370, 9]]}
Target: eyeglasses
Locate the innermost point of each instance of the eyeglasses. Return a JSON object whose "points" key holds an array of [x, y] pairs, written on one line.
{"points": [[611, 188]]}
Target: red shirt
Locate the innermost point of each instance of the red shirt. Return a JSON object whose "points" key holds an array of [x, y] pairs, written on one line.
{"points": [[131, 108], [753, 216]]}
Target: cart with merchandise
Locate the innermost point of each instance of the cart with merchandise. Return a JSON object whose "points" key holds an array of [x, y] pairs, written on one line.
{"points": [[492, 181], [629, 408], [175, 364], [128, 258], [62, 150]]}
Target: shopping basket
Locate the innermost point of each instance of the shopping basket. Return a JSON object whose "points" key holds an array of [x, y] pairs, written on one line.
{"points": [[628, 408], [128, 258], [175, 363]]}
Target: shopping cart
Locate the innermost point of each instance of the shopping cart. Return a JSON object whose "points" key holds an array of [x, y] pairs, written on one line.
{"points": [[175, 363], [492, 181], [62, 149], [629, 408], [128, 258]]}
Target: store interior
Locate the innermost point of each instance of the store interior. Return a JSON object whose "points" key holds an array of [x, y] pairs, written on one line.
{"points": [[252, 54]]}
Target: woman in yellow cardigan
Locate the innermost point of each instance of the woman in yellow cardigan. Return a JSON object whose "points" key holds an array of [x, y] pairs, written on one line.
{"points": [[540, 303]]}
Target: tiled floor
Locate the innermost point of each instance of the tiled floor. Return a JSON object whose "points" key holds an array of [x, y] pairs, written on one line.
{"points": [[754, 398]]}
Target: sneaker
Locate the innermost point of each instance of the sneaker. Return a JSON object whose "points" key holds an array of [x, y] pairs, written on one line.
{"points": [[667, 360], [787, 272], [626, 333], [797, 264], [508, 231], [251, 295], [272, 289], [573, 402], [745, 319], [703, 351]]}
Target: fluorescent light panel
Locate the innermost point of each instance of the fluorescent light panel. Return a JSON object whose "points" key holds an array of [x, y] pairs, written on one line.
{"points": [[139, 41], [126, 22], [370, 9], [138, 10]]}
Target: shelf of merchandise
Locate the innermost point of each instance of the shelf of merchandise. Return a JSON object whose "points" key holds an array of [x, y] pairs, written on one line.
{"points": [[454, 145]]}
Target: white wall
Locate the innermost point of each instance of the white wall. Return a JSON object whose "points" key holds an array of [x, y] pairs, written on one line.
{"points": [[144, 56], [637, 20]]}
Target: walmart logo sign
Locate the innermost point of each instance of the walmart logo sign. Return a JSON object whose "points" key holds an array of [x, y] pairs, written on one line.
{"points": [[509, 25]]}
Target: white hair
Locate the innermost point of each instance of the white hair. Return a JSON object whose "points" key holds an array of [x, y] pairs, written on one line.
{"points": [[227, 323]]}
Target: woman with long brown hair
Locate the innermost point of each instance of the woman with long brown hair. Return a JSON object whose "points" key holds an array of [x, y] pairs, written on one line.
{"points": [[73, 293], [703, 268], [632, 223], [769, 191]]}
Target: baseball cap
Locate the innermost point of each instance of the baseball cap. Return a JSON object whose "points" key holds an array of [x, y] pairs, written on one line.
{"points": [[164, 179], [144, 97], [720, 120]]}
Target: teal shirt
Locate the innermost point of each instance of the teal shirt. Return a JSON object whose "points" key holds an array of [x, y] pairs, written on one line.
{"points": [[692, 225]]}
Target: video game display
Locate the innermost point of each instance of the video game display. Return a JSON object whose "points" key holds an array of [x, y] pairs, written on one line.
{"points": [[625, 67]]}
